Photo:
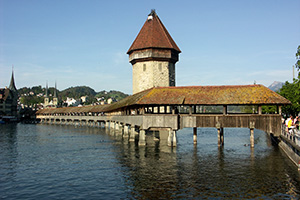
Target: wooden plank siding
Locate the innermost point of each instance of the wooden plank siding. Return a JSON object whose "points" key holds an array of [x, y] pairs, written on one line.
{"points": [[268, 123]]}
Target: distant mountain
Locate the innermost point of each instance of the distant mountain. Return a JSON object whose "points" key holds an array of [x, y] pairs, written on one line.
{"points": [[276, 86]]}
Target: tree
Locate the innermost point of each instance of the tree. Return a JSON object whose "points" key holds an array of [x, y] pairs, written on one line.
{"points": [[291, 91]]}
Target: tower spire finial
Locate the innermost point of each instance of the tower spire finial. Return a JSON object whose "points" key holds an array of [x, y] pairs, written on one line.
{"points": [[12, 85]]}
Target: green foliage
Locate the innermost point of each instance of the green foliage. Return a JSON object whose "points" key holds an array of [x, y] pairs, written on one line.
{"points": [[269, 109], [29, 95], [291, 92], [77, 92], [35, 90], [31, 100], [112, 94]]}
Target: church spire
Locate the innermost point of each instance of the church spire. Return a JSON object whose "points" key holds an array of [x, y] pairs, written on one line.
{"points": [[46, 90], [12, 85], [55, 96], [55, 91]]}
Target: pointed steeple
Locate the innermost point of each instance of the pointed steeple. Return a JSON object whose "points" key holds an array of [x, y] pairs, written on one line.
{"points": [[55, 91], [46, 99], [46, 90], [55, 96], [12, 85]]}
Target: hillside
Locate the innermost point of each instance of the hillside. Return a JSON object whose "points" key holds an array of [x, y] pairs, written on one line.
{"points": [[77, 92], [35, 95]]}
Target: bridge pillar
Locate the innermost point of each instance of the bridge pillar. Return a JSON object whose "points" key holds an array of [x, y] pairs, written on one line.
{"points": [[220, 136], [132, 134], [125, 131], [117, 125], [121, 128], [156, 135], [172, 138], [142, 138], [112, 125], [107, 124], [195, 135]]}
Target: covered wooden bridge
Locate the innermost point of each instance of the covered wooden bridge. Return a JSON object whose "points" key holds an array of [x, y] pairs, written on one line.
{"points": [[169, 109]]}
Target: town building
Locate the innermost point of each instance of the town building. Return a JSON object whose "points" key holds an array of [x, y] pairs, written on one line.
{"points": [[9, 99], [50, 102]]}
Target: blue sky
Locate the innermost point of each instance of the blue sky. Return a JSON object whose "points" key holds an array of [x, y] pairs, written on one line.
{"points": [[76, 42]]}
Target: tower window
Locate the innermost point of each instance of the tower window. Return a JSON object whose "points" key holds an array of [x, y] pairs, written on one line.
{"points": [[160, 67], [144, 67]]}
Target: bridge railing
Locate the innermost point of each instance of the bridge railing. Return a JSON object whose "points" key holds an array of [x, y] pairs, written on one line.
{"points": [[292, 135]]}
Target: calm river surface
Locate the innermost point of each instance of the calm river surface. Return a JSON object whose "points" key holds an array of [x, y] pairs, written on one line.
{"points": [[64, 162]]}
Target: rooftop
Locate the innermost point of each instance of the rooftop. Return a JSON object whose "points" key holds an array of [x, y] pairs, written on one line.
{"points": [[153, 35], [189, 95]]}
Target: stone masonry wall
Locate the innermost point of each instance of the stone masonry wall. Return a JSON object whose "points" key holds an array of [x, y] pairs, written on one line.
{"points": [[150, 74]]}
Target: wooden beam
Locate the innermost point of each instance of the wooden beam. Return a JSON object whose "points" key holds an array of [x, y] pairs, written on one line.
{"points": [[224, 109]]}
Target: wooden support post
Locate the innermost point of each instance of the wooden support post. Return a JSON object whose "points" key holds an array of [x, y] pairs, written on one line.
{"points": [[224, 109], [190, 110], [195, 135], [220, 136], [142, 111], [252, 138], [142, 138], [259, 110], [279, 110], [252, 126]]}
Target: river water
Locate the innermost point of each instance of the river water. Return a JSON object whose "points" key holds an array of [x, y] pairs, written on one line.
{"points": [[64, 162]]}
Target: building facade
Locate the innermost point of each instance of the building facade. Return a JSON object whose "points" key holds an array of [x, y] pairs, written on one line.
{"points": [[53, 102], [9, 99]]}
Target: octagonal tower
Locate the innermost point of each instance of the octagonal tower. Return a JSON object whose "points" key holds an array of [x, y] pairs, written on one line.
{"points": [[153, 55]]}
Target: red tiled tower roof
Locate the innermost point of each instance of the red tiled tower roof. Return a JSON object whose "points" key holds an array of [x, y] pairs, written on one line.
{"points": [[153, 35]]}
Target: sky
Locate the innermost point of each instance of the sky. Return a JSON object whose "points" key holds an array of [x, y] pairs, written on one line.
{"points": [[84, 43]]}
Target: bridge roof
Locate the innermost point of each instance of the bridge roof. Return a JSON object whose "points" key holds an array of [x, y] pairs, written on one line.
{"points": [[213, 95], [189, 95], [153, 35]]}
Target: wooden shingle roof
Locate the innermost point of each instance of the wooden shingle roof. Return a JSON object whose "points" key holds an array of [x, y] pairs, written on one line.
{"points": [[153, 35], [189, 95], [213, 95]]}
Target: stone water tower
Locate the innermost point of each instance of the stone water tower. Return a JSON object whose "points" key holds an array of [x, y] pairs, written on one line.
{"points": [[153, 55]]}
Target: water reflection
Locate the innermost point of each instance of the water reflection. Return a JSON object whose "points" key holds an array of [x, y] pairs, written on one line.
{"points": [[232, 171], [59, 162]]}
